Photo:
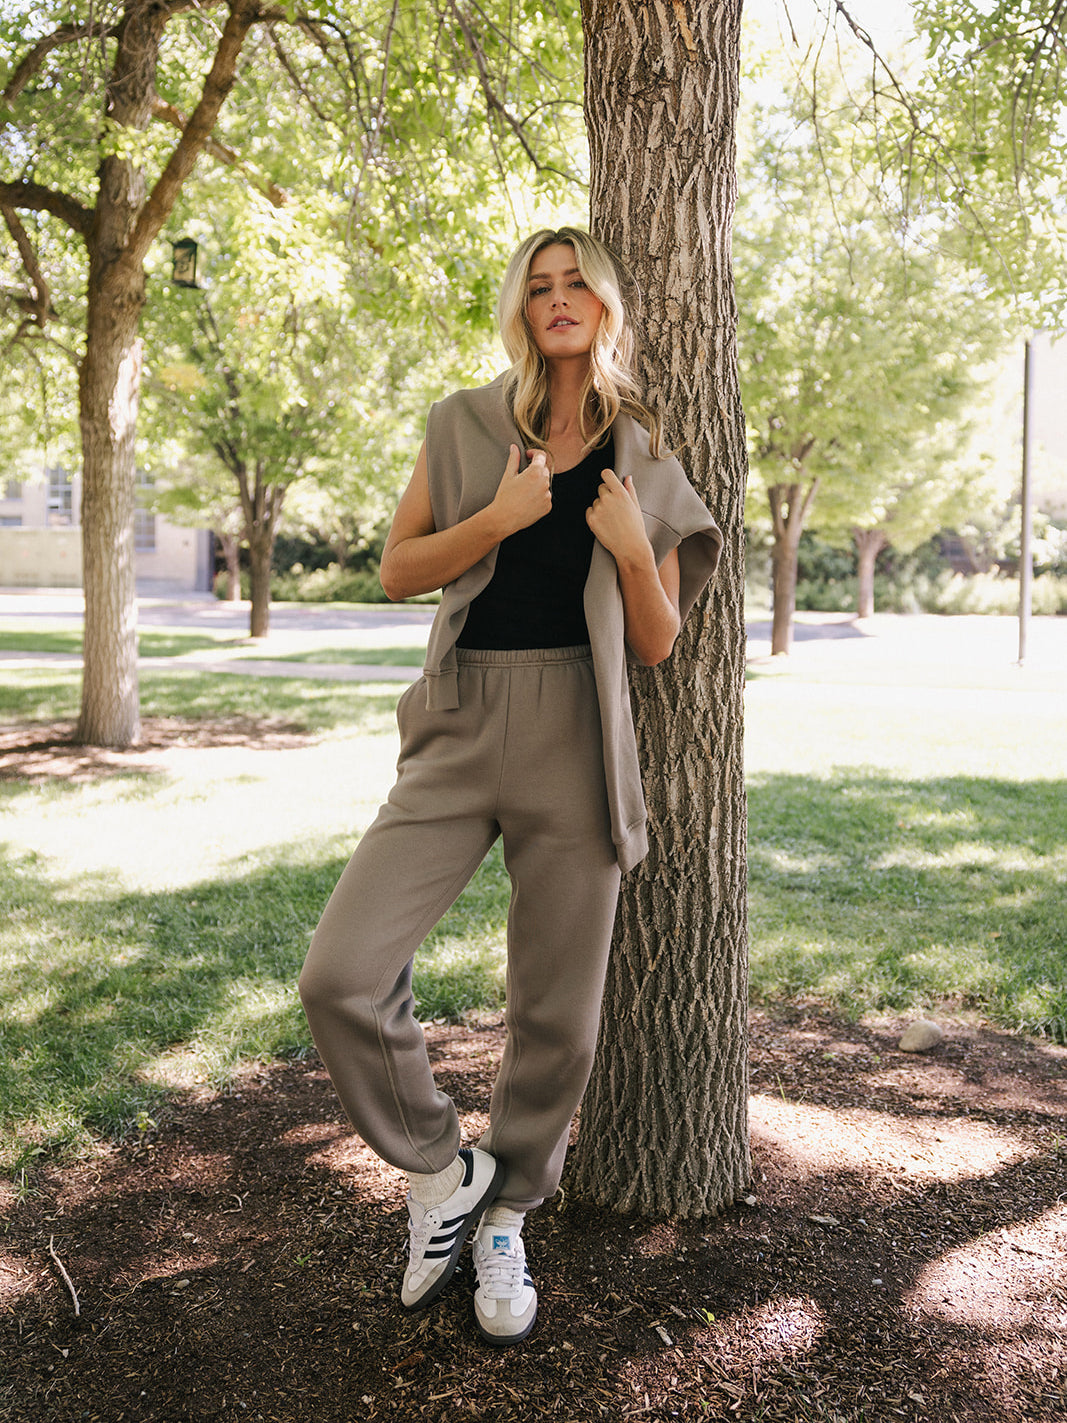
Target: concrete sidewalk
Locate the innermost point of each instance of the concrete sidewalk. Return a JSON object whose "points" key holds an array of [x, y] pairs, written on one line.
{"points": [[960, 650]]}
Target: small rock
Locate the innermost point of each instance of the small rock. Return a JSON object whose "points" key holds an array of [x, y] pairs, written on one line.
{"points": [[921, 1036]]}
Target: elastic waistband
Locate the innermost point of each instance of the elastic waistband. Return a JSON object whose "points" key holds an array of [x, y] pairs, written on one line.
{"points": [[522, 656]]}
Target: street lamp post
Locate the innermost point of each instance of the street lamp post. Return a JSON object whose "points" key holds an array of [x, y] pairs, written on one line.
{"points": [[1026, 538]]}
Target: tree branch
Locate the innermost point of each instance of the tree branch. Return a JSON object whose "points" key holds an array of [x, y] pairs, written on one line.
{"points": [[169, 114], [35, 197], [40, 308], [220, 80], [494, 104], [375, 130], [298, 83], [65, 34], [70, 34]]}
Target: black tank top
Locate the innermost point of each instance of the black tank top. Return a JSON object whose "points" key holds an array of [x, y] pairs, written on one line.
{"points": [[534, 598]]}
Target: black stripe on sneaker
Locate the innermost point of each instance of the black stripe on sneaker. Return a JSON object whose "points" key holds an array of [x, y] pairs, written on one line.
{"points": [[440, 1246]]}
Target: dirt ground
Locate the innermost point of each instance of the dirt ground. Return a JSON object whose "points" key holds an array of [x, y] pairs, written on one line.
{"points": [[903, 1254]]}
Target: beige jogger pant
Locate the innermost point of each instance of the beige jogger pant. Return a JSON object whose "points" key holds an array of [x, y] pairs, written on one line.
{"points": [[520, 757]]}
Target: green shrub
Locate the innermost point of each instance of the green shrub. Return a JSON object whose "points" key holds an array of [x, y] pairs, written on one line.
{"points": [[329, 585], [221, 585], [816, 596], [995, 594]]}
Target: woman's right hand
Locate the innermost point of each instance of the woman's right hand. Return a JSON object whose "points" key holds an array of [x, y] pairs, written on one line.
{"points": [[419, 558], [524, 495]]}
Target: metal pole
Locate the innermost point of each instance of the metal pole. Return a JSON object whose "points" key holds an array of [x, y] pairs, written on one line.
{"points": [[1026, 540]]}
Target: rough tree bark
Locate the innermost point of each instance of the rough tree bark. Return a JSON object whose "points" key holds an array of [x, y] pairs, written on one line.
{"points": [[869, 544], [109, 387], [664, 1125], [790, 506]]}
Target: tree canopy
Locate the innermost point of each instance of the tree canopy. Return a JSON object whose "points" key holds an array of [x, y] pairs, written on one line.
{"points": [[106, 111], [859, 345], [968, 124]]}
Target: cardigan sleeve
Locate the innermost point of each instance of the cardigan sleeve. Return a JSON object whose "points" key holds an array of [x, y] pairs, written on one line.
{"points": [[675, 514]]}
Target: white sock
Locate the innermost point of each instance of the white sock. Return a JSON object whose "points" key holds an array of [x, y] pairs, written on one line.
{"points": [[435, 1189], [504, 1217]]}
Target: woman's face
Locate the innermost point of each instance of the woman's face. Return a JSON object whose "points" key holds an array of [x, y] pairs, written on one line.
{"points": [[563, 313]]}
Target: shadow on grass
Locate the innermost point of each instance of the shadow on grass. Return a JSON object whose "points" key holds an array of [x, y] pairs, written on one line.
{"points": [[114, 999], [179, 710], [35, 697], [867, 893], [871, 892]]}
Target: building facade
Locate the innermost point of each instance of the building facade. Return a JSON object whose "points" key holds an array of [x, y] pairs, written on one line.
{"points": [[40, 540]]}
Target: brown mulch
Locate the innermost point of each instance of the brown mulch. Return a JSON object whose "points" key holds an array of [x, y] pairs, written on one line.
{"points": [[44, 752], [903, 1255]]}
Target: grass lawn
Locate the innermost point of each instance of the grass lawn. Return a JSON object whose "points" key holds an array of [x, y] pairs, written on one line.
{"points": [[908, 850], [413, 656], [164, 643]]}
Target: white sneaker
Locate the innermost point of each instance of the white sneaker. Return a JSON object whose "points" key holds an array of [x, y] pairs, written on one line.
{"points": [[438, 1232], [505, 1302]]}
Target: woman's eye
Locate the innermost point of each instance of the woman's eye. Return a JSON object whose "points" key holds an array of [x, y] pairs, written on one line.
{"points": [[577, 284], [538, 291]]}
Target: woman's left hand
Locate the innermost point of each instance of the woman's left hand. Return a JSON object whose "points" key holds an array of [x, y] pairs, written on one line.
{"points": [[649, 594], [616, 520]]}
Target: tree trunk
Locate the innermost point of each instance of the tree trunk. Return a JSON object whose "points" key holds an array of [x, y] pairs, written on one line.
{"points": [[109, 390], [260, 553], [664, 1128], [231, 553], [261, 505], [869, 544], [790, 506], [783, 594], [125, 220]]}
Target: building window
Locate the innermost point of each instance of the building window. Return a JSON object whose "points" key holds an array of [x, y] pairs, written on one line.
{"points": [[60, 498], [144, 520], [10, 521], [144, 531], [12, 488]]}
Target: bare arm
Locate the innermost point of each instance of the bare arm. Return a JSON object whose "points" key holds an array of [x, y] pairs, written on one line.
{"points": [[420, 558], [649, 594]]}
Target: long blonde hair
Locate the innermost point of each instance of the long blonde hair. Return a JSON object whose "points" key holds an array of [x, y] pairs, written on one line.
{"points": [[611, 384]]}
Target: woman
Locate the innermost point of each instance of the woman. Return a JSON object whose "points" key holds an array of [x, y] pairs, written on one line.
{"points": [[551, 567]]}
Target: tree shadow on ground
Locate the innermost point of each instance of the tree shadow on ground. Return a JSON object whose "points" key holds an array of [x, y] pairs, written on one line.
{"points": [[245, 1261], [912, 892], [91, 1036]]}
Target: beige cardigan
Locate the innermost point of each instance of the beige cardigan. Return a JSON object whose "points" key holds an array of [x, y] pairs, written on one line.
{"points": [[467, 439]]}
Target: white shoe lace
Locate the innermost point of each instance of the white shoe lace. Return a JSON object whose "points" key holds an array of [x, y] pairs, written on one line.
{"points": [[500, 1273], [420, 1234]]}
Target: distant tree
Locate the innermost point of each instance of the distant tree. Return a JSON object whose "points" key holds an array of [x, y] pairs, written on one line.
{"points": [[105, 112], [86, 166], [857, 344]]}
